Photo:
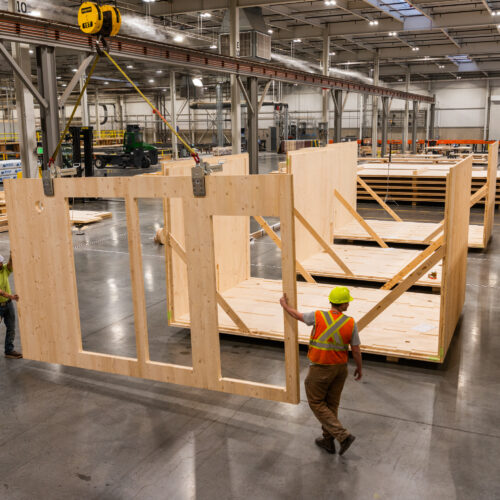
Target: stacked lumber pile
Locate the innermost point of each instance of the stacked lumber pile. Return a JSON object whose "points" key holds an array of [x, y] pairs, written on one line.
{"points": [[3, 213], [414, 184]]}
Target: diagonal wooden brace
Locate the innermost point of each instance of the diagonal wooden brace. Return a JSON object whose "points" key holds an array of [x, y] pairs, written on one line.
{"points": [[360, 220], [326, 247], [414, 262], [177, 247], [391, 297], [264, 225], [379, 200]]}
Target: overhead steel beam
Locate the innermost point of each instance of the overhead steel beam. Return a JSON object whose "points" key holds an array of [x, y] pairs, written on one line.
{"points": [[285, 11], [472, 19], [174, 7], [406, 54], [18, 28], [381, 5], [434, 69], [22, 75]]}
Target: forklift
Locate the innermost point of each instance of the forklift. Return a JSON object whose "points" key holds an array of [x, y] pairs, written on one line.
{"points": [[135, 153]]}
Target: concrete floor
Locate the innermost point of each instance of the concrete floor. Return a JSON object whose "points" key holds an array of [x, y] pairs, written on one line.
{"points": [[422, 431]]}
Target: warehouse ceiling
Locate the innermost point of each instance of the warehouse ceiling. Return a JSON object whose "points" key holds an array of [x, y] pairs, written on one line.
{"points": [[433, 40], [430, 40]]}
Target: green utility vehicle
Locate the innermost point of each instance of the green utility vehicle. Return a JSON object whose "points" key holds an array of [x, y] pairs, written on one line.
{"points": [[136, 153]]}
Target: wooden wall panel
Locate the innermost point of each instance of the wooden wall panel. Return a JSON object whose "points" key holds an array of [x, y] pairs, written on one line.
{"points": [[317, 172], [232, 253], [44, 270], [489, 205], [456, 231]]}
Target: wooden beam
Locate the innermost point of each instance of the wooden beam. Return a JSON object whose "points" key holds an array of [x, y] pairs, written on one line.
{"points": [[177, 247], [264, 225], [401, 288], [479, 194], [361, 221], [413, 263], [326, 247], [434, 233], [379, 200]]}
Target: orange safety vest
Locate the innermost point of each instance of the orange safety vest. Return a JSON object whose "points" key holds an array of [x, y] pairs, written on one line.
{"points": [[330, 338]]}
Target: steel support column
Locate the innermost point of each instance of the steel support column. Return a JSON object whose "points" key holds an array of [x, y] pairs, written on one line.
{"points": [[337, 98], [406, 117], [375, 107], [385, 117], [219, 116], [25, 107], [97, 114], [84, 105], [47, 85], [487, 112], [234, 51], [432, 121], [326, 71], [173, 115], [414, 128], [253, 125]]}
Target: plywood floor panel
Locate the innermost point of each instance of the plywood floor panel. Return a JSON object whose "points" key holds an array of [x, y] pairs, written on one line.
{"points": [[402, 232], [409, 328], [368, 263]]}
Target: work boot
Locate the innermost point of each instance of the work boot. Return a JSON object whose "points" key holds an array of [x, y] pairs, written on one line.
{"points": [[13, 355], [344, 445], [327, 443]]}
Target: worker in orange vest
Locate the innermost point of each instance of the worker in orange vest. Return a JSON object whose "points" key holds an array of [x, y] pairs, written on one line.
{"points": [[331, 336]]}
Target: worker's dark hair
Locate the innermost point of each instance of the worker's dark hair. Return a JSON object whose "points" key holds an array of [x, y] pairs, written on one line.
{"points": [[336, 305]]}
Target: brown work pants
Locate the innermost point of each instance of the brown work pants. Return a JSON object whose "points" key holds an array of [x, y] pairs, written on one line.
{"points": [[324, 384]]}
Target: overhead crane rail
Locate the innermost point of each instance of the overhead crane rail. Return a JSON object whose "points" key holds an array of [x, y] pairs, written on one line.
{"points": [[21, 28]]}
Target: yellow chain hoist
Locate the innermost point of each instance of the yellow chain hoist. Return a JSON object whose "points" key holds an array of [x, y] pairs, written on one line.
{"points": [[105, 21]]}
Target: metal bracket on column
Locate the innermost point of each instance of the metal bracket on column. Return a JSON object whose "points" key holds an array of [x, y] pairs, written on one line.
{"points": [[337, 104], [22, 75], [75, 80], [245, 95], [264, 93]]}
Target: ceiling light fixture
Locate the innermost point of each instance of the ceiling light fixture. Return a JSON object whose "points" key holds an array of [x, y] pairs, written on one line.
{"points": [[106, 83], [159, 71], [178, 38], [31, 51], [297, 40], [151, 80], [129, 66], [74, 70], [197, 82], [205, 14], [333, 53], [415, 49], [213, 46], [374, 22], [36, 13], [393, 33], [270, 31], [330, 2]]}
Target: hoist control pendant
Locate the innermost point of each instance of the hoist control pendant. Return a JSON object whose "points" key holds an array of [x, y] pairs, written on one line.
{"points": [[90, 18]]}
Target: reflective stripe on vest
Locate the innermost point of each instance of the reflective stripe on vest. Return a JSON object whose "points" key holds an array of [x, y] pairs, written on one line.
{"points": [[331, 339]]}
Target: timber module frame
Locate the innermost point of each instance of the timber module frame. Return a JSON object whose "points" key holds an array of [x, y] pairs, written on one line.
{"points": [[49, 314], [394, 322], [25, 29]]}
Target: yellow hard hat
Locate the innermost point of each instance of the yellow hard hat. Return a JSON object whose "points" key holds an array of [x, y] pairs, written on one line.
{"points": [[340, 295]]}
